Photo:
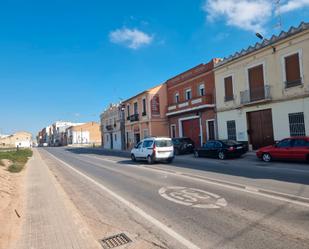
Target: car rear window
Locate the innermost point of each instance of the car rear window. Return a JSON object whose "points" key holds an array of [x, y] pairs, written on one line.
{"points": [[230, 142], [163, 143]]}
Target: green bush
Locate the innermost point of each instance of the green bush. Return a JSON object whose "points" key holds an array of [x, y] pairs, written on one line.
{"points": [[18, 157]]}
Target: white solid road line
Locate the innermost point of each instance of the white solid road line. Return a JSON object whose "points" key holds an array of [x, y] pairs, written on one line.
{"points": [[226, 184], [188, 244]]}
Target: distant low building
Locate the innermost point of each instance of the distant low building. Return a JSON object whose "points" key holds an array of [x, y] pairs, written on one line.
{"points": [[20, 139], [84, 134], [58, 132]]}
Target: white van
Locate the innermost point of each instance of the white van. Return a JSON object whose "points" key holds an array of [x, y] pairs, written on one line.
{"points": [[154, 149]]}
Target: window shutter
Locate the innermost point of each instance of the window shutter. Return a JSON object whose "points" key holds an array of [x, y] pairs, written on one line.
{"points": [[228, 85], [292, 69]]}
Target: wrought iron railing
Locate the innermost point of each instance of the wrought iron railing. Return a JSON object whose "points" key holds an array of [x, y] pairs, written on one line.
{"points": [[255, 94]]}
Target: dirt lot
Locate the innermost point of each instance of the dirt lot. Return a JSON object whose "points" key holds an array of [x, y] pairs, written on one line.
{"points": [[10, 200]]}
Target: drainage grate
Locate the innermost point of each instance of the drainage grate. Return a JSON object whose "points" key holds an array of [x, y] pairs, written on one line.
{"points": [[115, 241]]}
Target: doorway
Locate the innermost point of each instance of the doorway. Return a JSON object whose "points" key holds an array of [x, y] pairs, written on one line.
{"points": [[260, 128]]}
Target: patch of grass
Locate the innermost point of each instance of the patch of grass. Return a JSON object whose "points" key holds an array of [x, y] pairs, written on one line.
{"points": [[18, 157], [15, 167]]}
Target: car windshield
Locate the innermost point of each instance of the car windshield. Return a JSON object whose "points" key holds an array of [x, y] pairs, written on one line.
{"points": [[163, 143]]}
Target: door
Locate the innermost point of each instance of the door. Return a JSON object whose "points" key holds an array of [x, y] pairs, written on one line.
{"points": [[300, 149], [211, 129], [256, 83], [191, 129], [260, 130], [283, 149], [137, 137], [138, 150], [112, 141]]}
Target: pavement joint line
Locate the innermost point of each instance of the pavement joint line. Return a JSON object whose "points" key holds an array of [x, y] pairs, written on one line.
{"points": [[188, 244], [302, 201]]}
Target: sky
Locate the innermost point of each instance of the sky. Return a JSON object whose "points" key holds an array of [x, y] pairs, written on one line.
{"points": [[67, 60]]}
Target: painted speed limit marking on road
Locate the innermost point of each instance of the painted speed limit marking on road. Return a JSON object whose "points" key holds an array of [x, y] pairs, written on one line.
{"points": [[192, 197]]}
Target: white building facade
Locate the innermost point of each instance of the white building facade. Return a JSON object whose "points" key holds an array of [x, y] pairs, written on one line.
{"points": [[262, 93], [112, 127]]}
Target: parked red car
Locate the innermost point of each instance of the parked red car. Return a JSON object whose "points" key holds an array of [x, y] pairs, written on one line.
{"points": [[293, 148]]}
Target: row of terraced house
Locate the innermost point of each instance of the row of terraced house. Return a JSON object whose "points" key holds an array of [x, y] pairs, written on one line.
{"points": [[258, 96]]}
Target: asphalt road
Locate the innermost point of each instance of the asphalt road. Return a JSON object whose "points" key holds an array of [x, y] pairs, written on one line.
{"points": [[188, 206]]}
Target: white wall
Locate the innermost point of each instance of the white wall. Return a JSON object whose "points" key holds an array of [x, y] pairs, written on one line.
{"points": [[81, 137], [280, 118], [23, 144], [116, 143]]}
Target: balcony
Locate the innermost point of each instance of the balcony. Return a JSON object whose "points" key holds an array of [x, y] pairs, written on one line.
{"points": [[192, 103], [109, 127], [134, 118], [253, 95]]}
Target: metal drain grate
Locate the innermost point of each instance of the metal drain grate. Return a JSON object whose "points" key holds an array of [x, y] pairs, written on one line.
{"points": [[115, 241]]}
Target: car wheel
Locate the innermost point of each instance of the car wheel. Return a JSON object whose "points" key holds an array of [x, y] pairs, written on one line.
{"points": [[221, 155], [133, 158], [196, 154], [149, 160], [266, 157]]}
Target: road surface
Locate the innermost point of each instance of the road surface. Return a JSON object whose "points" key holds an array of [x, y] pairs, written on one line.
{"points": [[179, 206]]}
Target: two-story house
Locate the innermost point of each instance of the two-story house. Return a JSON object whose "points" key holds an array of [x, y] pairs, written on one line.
{"points": [[262, 92], [145, 115], [112, 127], [191, 104]]}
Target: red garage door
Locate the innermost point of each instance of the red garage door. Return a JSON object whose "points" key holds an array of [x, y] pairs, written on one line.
{"points": [[191, 129]]}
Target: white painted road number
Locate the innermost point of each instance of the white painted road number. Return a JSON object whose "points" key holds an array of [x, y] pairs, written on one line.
{"points": [[192, 197]]}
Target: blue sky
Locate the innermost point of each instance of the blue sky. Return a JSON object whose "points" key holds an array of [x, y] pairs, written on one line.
{"points": [[69, 59]]}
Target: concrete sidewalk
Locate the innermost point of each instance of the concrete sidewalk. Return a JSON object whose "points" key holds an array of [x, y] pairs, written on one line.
{"points": [[50, 220]]}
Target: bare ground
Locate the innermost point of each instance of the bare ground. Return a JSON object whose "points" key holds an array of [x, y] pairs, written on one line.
{"points": [[11, 189]]}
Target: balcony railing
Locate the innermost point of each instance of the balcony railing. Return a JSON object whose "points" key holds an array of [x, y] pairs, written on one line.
{"points": [[109, 127], [198, 101], [134, 117], [255, 94]]}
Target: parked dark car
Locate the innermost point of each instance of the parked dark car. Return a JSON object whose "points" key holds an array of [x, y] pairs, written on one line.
{"points": [[183, 145], [293, 148], [221, 149]]}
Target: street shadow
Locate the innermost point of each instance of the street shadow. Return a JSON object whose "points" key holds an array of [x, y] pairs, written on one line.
{"points": [[247, 166]]}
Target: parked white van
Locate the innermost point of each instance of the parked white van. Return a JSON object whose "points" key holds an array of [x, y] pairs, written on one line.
{"points": [[154, 149]]}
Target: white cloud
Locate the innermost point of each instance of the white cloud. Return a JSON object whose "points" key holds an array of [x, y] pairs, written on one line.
{"points": [[132, 38], [294, 5], [249, 15]]}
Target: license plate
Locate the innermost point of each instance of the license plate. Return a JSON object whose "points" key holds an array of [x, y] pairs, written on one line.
{"points": [[239, 147]]}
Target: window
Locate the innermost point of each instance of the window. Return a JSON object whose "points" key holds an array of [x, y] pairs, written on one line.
{"points": [[176, 98], [135, 108], [164, 143], [144, 107], [139, 145], [128, 111], [284, 143], [231, 130], [188, 94], [228, 87], [106, 138], [173, 131], [147, 144], [301, 143], [297, 124], [217, 145], [256, 83], [292, 70], [115, 136], [202, 90]]}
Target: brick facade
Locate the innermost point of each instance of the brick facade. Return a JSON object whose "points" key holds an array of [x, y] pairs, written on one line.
{"points": [[195, 89]]}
